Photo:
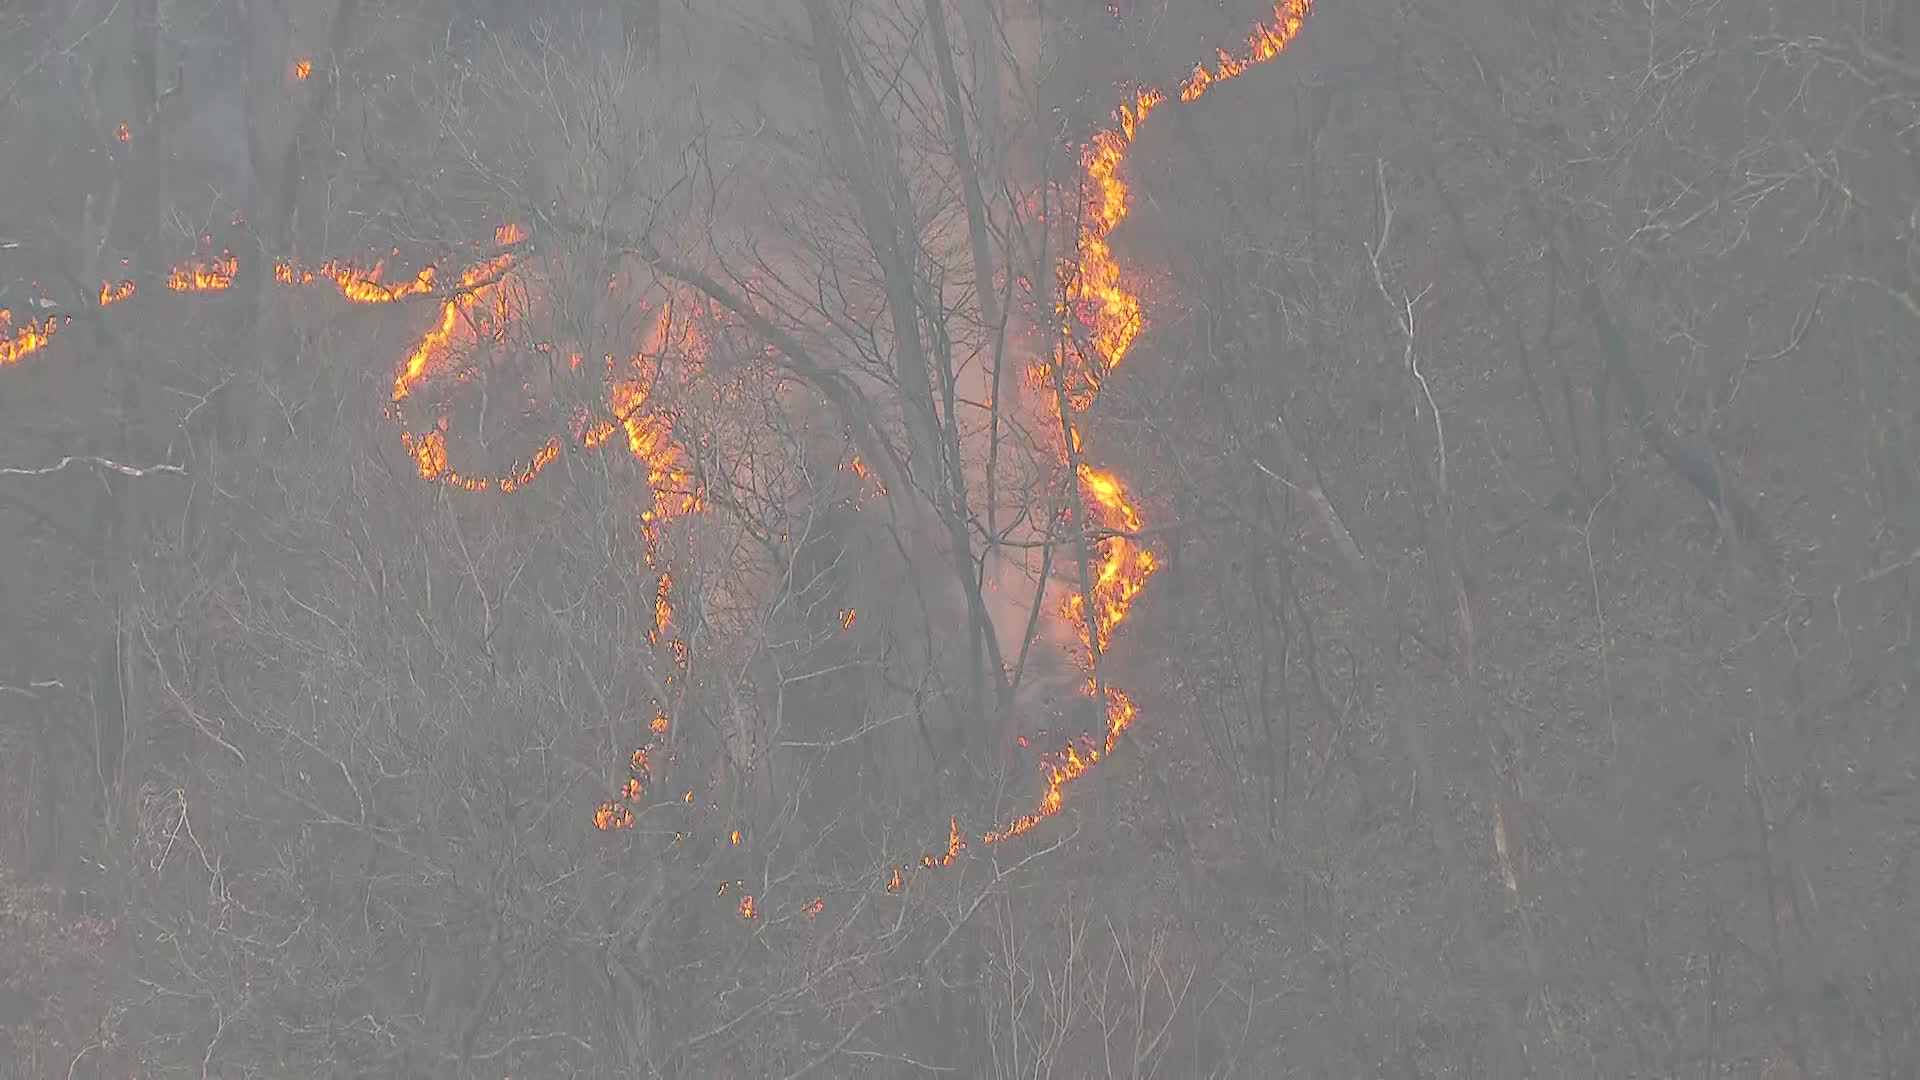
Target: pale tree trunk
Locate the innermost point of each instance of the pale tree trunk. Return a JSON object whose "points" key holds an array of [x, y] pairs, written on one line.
{"points": [[1425, 439], [1408, 704]]}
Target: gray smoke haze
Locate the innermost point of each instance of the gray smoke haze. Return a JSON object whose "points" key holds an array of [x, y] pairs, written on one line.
{"points": [[613, 538]]}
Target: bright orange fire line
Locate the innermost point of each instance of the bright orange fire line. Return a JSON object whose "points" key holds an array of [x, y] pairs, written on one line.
{"points": [[1093, 290], [215, 275], [1111, 312]]}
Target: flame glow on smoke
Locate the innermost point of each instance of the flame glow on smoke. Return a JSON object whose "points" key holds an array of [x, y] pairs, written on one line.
{"points": [[1099, 315]]}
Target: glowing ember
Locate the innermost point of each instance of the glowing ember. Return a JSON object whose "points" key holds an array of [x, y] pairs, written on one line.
{"points": [[1067, 764], [662, 605], [429, 453], [301, 69], [611, 816]]}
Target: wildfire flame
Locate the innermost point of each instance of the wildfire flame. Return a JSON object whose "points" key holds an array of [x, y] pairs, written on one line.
{"points": [[28, 339], [615, 814], [1069, 763], [213, 275], [954, 843], [1265, 43], [1122, 564], [357, 285], [1093, 290], [610, 816], [479, 294], [481, 307], [1093, 294]]}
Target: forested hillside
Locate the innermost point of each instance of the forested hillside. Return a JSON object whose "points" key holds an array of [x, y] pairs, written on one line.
{"points": [[991, 538]]}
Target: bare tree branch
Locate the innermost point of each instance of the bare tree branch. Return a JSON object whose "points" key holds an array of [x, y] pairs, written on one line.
{"points": [[104, 463]]}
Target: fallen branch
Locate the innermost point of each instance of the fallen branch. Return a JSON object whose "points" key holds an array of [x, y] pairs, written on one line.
{"points": [[32, 688], [105, 463]]}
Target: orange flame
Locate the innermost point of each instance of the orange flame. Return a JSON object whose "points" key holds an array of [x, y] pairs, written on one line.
{"points": [[302, 68], [357, 285], [1071, 762], [480, 291], [215, 275], [611, 816], [1265, 43], [859, 468], [28, 339], [1123, 564], [481, 308], [1093, 292], [954, 843], [1093, 287]]}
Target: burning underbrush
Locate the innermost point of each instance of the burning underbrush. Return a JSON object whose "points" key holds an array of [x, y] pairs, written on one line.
{"points": [[797, 572]]}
